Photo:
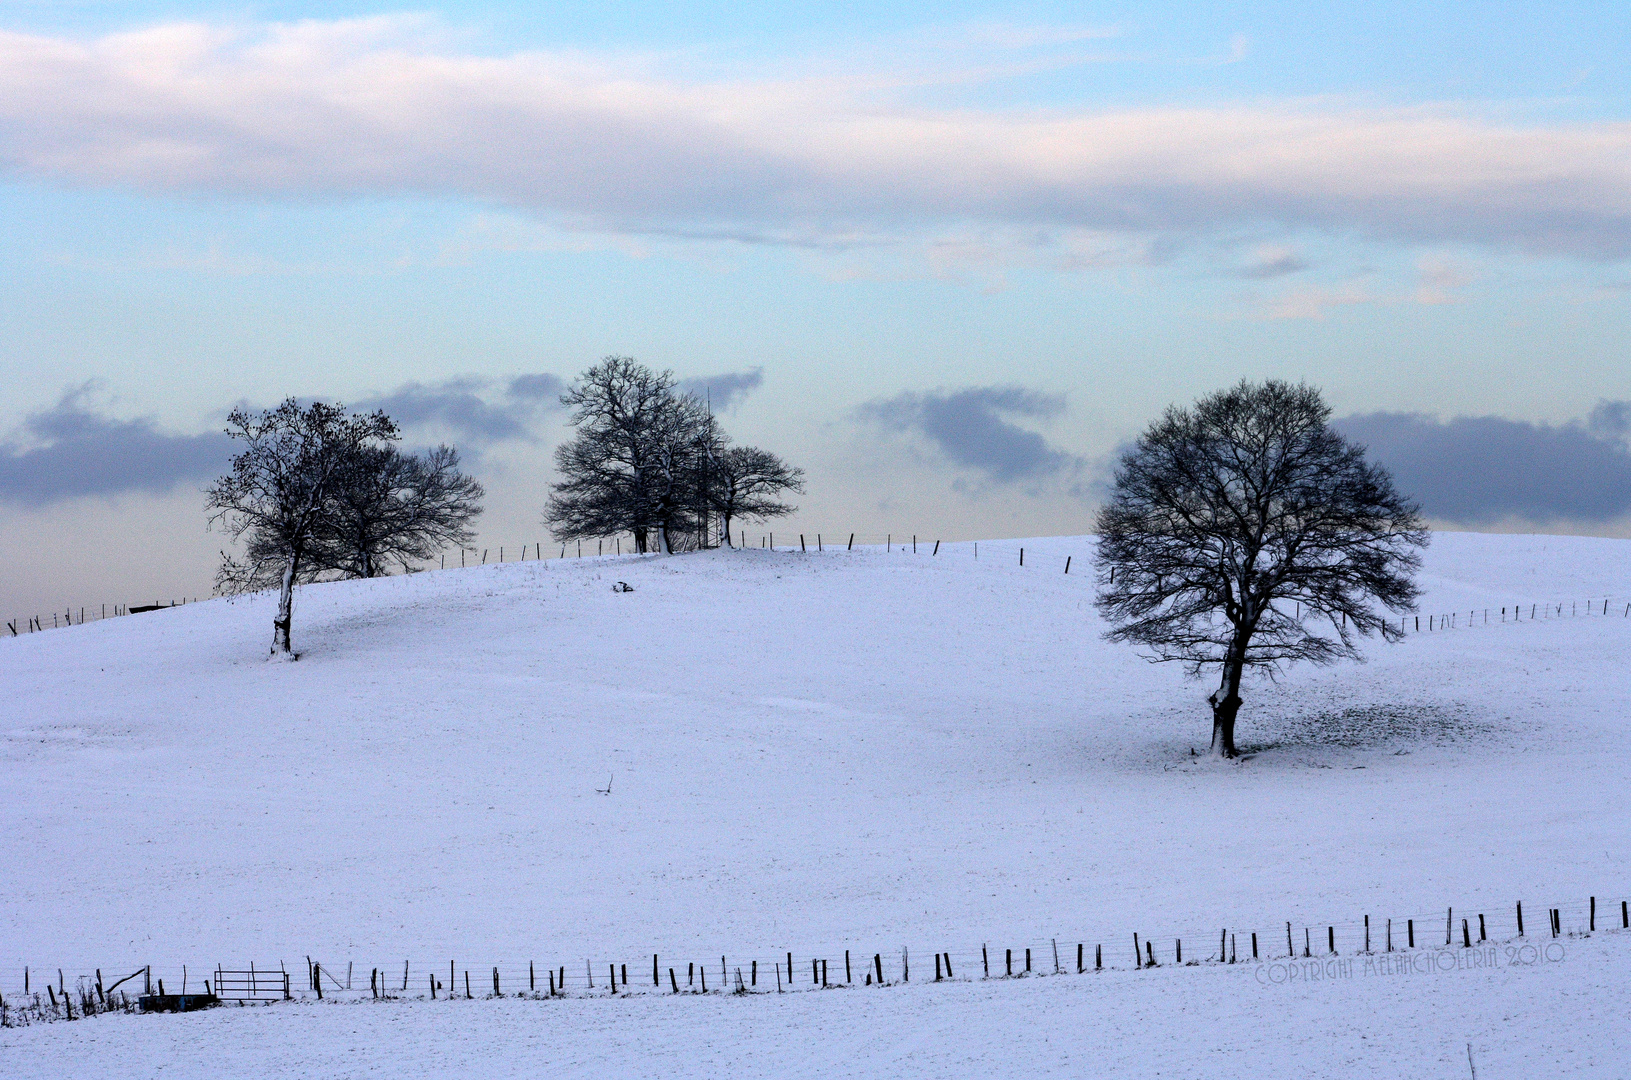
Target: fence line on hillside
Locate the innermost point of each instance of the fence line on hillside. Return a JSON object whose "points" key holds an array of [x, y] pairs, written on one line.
{"points": [[998, 552], [1468, 935]]}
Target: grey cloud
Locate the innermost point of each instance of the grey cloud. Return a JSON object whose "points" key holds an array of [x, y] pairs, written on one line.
{"points": [[1273, 265], [72, 450], [1479, 469], [1610, 419], [970, 428], [77, 452], [725, 390], [535, 387], [473, 409]]}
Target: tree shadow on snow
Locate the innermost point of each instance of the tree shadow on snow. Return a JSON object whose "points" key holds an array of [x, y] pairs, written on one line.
{"points": [[1366, 727], [1298, 729]]}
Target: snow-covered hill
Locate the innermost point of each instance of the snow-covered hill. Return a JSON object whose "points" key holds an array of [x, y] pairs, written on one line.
{"points": [[805, 752]]}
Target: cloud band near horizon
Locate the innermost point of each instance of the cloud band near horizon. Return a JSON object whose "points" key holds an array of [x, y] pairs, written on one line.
{"points": [[75, 449], [1467, 471], [1478, 470], [378, 107]]}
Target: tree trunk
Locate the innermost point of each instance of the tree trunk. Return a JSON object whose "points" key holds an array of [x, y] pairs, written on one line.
{"points": [[285, 610], [662, 539], [725, 532], [640, 541], [1225, 707]]}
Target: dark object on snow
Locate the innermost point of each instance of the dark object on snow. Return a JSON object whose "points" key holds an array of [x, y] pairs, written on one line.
{"points": [[177, 1002], [622, 586]]}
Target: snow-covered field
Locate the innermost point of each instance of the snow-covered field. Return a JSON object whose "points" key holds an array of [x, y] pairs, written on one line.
{"points": [[813, 753]]}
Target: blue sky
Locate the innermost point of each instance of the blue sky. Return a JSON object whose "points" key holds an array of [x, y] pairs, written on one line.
{"points": [[934, 237]]}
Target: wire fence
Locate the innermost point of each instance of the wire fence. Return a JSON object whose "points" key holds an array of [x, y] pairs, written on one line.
{"points": [[1077, 566], [71, 616], [1451, 939]]}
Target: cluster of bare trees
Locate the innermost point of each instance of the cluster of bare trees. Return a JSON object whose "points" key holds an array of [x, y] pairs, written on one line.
{"points": [[319, 493], [653, 462]]}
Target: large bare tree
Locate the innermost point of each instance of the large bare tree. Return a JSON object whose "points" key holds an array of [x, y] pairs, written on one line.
{"points": [[1244, 533], [280, 493], [610, 475], [747, 482]]}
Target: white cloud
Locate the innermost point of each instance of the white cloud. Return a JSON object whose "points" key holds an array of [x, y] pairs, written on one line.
{"points": [[1012, 36], [1314, 301], [389, 106], [1440, 280]]}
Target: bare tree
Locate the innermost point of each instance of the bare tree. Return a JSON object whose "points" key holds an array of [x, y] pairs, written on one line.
{"points": [[1245, 533], [610, 475], [389, 506], [280, 493], [685, 441], [745, 482], [645, 459]]}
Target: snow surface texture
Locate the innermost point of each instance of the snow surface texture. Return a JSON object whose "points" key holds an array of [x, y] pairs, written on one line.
{"points": [[808, 753]]}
